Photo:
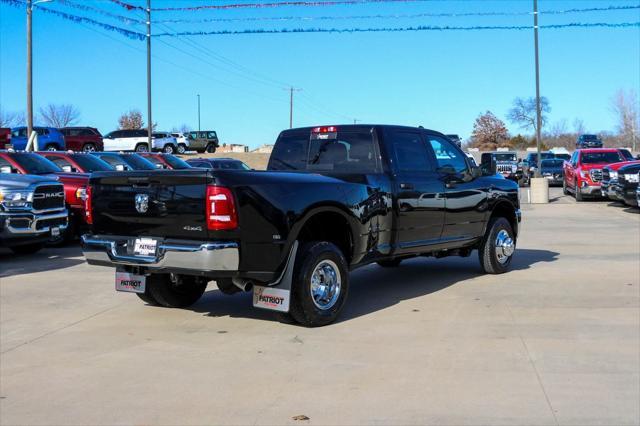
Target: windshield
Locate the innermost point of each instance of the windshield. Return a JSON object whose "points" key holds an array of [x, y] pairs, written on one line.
{"points": [[543, 155], [230, 165], [552, 163], [344, 152], [35, 164], [505, 157], [563, 156], [590, 137], [175, 162], [601, 157], [91, 164], [136, 162]]}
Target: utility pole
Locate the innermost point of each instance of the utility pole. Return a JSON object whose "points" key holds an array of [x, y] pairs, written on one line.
{"points": [[198, 114], [150, 123], [29, 72], [538, 107], [291, 90]]}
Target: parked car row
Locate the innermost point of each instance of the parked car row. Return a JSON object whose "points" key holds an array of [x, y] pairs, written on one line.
{"points": [[26, 225], [89, 139]]}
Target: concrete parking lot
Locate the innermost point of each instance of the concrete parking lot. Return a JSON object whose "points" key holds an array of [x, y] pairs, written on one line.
{"points": [[554, 342]]}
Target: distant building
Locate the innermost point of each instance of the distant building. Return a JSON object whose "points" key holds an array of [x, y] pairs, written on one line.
{"points": [[232, 147], [264, 149]]}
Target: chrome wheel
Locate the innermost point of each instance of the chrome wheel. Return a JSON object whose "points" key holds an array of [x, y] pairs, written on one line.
{"points": [[51, 148], [168, 149], [505, 246], [181, 149], [89, 148], [325, 285]]}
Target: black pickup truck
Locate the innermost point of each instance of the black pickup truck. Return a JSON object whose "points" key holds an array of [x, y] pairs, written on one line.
{"points": [[332, 199]]}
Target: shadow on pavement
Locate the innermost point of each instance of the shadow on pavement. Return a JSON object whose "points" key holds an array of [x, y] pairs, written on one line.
{"points": [[47, 259], [374, 288]]}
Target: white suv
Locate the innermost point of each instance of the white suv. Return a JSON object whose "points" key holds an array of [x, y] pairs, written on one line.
{"points": [[126, 140], [163, 141], [183, 142]]}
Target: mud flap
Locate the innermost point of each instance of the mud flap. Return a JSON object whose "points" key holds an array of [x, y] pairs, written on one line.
{"points": [[277, 295]]}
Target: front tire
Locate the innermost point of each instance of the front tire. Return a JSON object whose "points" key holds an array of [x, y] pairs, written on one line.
{"points": [[182, 148], [577, 192], [497, 247], [320, 284], [142, 147], [175, 291]]}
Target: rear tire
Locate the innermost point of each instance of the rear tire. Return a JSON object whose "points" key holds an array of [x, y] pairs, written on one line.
{"points": [[147, 298], [142, 147], [497, 247], [175, 291], [392, 263], [27, 248], [182, 148], [211, 148], [88, 147], [320, 284], [169, 149]]}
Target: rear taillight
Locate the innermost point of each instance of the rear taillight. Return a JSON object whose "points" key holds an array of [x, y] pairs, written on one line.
{"points": [[87, 206], [221, 210]]}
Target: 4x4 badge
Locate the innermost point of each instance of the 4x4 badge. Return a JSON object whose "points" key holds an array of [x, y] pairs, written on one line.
{"points": [[142, 203]]}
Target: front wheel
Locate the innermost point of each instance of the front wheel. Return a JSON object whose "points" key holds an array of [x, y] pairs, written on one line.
{"points": [[497, 247], [175, 291], [182, 148], [142, 147], [576, 188], [320, 284]]}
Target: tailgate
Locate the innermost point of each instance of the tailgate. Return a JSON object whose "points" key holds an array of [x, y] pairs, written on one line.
{"points": [[168, 204]]}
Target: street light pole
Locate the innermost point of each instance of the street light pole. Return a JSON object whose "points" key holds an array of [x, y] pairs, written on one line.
{"points": [[29, 72], [538, 107], [150, 123], [198, 113], [291, 90]]}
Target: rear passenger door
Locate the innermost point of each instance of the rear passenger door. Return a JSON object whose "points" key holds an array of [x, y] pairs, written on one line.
{"points": [[465, 196], [419, 192]]}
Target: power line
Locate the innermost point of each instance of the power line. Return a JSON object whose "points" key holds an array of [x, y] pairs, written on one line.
{"points": [[419, 28]]}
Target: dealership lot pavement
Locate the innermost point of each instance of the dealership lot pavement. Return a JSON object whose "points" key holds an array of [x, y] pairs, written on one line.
{"points": [[555, 341]]}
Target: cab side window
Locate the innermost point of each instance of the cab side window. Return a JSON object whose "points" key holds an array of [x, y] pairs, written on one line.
{"points": [[448, 156], [410, 152], [62, 163]]}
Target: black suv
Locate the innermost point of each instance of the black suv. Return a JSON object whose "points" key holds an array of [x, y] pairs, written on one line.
{"points": [[588, 141]]}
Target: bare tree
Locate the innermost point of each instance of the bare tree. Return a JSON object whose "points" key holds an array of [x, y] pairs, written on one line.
{"points": [[62, 115], [579, 127], [131, 120], [489, 132], [624, 106], [523, 112], [10, 118]]}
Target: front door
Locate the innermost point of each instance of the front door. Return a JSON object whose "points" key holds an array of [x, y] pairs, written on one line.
{"points": [[465, 197], [419, 192]]}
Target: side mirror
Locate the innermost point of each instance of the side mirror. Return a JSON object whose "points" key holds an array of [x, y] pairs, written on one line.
{"points": [[5, 169], [476, 172], [488, 166]]}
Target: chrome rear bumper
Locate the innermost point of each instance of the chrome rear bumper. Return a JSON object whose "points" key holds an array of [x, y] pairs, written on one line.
{"points": [[196, 256]]}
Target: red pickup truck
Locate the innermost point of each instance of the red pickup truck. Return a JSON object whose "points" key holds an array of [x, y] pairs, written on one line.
{"points": [[75, 184], [583, 172], [5, 137]]}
